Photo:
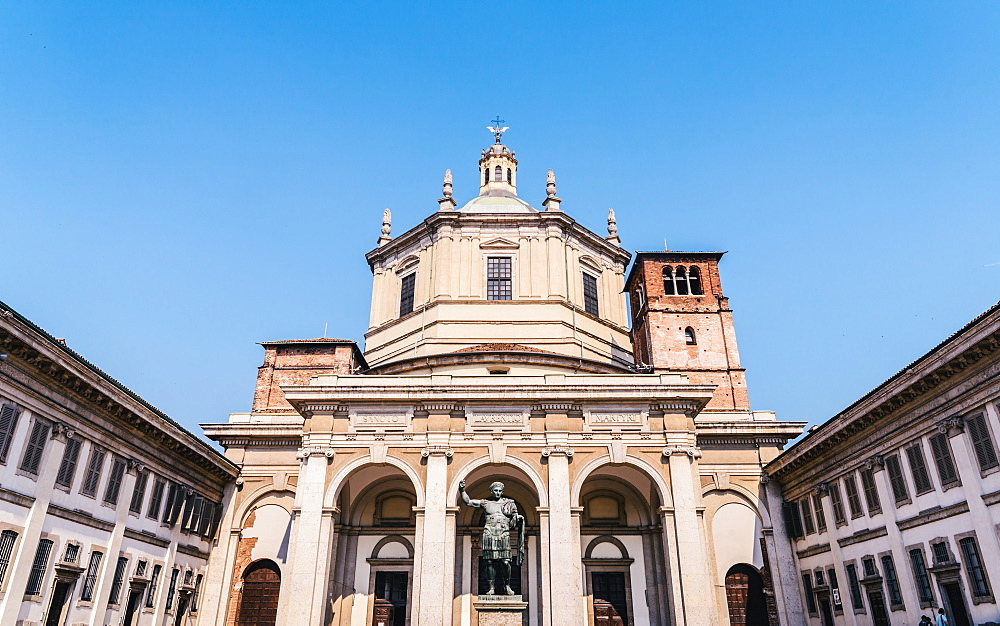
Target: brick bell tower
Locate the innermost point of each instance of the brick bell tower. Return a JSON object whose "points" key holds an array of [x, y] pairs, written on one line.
{"points": [[681, 323]]}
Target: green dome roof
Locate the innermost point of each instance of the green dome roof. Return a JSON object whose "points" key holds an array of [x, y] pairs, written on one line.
{"points": [[497, 201]]}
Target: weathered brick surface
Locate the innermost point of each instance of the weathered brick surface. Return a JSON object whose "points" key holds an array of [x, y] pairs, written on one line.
{"points": [[294, 363], [660, 321], [244, 550]]}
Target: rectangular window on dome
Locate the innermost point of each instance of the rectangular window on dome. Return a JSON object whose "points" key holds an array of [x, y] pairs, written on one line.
{"points": [[589, 294], [406, 286], [498, 278]]}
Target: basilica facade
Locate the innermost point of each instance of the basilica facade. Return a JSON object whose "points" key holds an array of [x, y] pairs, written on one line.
{"points": [[507, 343]]}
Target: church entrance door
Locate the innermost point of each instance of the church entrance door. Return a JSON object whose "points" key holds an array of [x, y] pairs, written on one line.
{"points": [[745, 596], [610, 600], [259, 603]]}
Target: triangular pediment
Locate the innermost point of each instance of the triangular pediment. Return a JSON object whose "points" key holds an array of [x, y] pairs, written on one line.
{"points": [[499, 244]]}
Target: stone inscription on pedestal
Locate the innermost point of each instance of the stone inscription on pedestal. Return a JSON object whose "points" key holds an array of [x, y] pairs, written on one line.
{"points": [[496, 610]]}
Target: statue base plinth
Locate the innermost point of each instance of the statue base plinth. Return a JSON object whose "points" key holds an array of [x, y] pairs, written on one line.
{"points": [[496, 610]]}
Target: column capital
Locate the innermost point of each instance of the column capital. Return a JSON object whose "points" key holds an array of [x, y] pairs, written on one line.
{"points": [[567, 451], [305, 452], [135, 466], [691, 451], [951, 425], [438, 450], [62, 432], [875, 462], [821, 489]]}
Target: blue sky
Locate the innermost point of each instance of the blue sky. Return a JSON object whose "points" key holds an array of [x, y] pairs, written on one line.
{"points": [[181, 180]]}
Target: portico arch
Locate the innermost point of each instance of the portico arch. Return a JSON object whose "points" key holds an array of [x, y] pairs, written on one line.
{"points": [[332, 494], [530, 472], [648, 469]]}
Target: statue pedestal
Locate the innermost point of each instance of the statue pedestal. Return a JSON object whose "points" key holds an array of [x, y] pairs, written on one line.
{"points": [[500, 610]]}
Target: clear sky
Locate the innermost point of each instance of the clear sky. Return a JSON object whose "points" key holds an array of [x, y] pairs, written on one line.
{"points": [[179, 181]]}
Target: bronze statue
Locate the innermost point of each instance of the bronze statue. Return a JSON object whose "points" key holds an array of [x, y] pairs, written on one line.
{"points": [[501, 518]]}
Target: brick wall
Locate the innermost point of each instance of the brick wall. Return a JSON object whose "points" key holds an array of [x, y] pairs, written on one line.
{"points": [[295, 363]]}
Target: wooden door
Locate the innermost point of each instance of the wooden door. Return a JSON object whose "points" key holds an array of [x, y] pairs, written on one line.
{"points": [[259, 602]]}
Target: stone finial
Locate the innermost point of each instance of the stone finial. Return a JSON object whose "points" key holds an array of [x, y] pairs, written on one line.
{"points": [[386, 227], [447, 203], [447, 184], [550, 184], [613, 229]]}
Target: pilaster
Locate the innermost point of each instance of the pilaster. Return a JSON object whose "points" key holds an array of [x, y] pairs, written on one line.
{"points": [[437, 543], [566, 599]]}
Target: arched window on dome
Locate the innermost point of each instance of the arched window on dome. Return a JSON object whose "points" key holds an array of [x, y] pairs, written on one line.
{"points": [[668, 280], [694, 280], [689, 338], [680, 281], [486, 175], [498, 174], [510, 177]]}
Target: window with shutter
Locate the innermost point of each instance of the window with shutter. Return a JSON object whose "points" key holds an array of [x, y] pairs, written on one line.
{"points": [[986, 454], [943, 460], [156, 499], [7, 540], [820, 515], [853, 497], [9, 414], [918, 469], [807, 516], [871, 492], [67, 467], [172, 495], [36, 445], [896, 480], [94, 468], [34, 586], [90, 578], [138, 493], [838, 505], [115, 481]]}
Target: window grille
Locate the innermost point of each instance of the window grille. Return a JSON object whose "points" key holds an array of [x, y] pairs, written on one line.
{"points": [[139, 493], [853, 498], [974, 567], [857, 602], [72, 553], [831, 577], [943, 460], [34, 586], [140, 568], [838, 505], [891, 581], [868, 563], [820, 514], [498, 277], [871, 492], [896, 480], [36, 445], [810, 600], [941, 552], [510, 177], [151, 590], [172, 589], [67, 467], [94, 468], [90, 578], [986, 454], [7, 540], [9, 414], [918, 469], [116, 583], [807, 518], [924, 590], [195, 594], [589, 294], [115, 480], [406, 286], [156, 499]]}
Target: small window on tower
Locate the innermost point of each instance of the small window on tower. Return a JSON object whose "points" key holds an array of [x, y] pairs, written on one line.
{"points": [[590, 294], [510, 177], [486, 175], [406, 294], [681, 281], [498, 278], [668, 280], [689, 337], [694, 280], [498, 174]]}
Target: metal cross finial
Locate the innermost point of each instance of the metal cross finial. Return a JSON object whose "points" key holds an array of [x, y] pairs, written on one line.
{"points": [[497, 130]]}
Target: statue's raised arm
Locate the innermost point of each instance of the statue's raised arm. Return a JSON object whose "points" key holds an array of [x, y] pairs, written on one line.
{"points": [[465, 497]]}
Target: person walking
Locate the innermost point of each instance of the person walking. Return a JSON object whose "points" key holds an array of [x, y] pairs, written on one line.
{"points": [[942, 619]]}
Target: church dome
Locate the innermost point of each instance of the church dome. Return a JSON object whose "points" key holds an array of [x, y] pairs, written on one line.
{"points": [[497, 201]]}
